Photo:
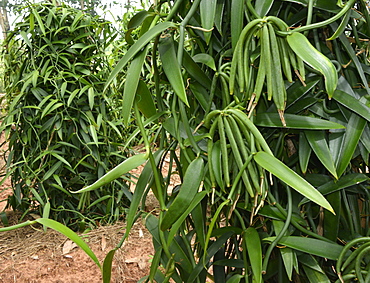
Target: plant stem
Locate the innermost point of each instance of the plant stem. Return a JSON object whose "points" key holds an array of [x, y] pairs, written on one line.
{"points": [[348, 6], [282, 232]]}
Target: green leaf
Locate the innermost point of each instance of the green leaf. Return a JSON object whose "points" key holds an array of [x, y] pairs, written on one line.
{"points": [[195, 201], [342, 27], [136, 47], [189, 188], [315, 276], [304, 152], [287, 175], [343, 182], [57, 156], [207, 16], [308, 53], [171, 67], [295, 122], [312, 269], [71, 235], [352, 104], [253, 244], [46, 212], [51, 107], [91, 97], [107, 266], [219, 15], [237, 15], [51, 171], [262, 7], [311, 246], [317, 141], [144, 100], [40, 23], [205, 59], [289, 256], [354, 130], [235, 278], [131, 84], [352, 54], [127, 165], [195, 71], [200, 93]]}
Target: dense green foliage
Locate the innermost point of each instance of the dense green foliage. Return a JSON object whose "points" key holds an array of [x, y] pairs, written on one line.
{"points": [[267, 103], [264, 97], [64, 132]]}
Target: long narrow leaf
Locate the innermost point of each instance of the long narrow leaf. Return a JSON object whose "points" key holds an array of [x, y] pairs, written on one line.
{"points": [[311, 246], [295, 122], [355, 127], [320, 146], [352, 103], [189, 188], [115, 173], [287, 175], [136, 47], [253, 243], [207, 16], [305, 50], [71, 235], [131, 84], [172, 68]]}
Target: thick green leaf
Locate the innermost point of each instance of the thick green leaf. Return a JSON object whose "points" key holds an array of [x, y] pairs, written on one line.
{"points": [[197, 199], [107, 266], [131, 84], [127, 165], [289, 256], [262, 7], [304, 152], [219, 15], [311, 246], [207, 16], [355, 128], [144, 100], [71, 235], [237, 14], [189, 188], [352, 103], [312, 269], [308, 53], [332, 222], [253, 243], [342, 27], [287, 175], [195, 71], [318, 143], [171, 67], [315, 276], [343, 182], [200, 93], [295, 122], [136, 47], [205, 59]]}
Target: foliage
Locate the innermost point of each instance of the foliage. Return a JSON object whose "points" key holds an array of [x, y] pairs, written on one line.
{"points": [[64, 133], [268, 104], [261, 101]]}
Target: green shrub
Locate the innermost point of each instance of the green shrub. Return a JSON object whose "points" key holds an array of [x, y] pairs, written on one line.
{"points": [[63, 129]]}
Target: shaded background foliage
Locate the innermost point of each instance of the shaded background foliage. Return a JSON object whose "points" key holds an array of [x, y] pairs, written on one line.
{"points": [[63, 132]]}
